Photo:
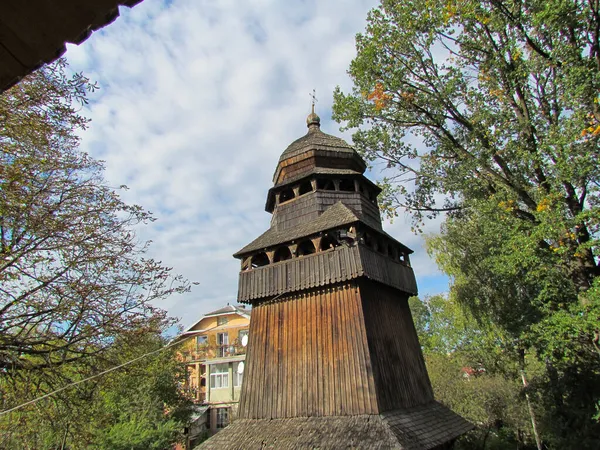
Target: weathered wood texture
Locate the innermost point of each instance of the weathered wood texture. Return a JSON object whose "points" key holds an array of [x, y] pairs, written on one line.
{"points": [[308, 356], [34, 32], [399, 370], [317, 156], [320, 269], [426, 427]]}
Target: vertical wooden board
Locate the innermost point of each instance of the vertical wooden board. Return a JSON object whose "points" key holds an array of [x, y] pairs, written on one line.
{"points": [[327, 370], [349, 351], [280, 361], [270, 358], [295, 367], [301, 406], [285, 375], [259, 395], [320, 355], [360, 369], [394, 349], [257, 372], [355, 368], [310, 388], [316, 356], [338, 357]]}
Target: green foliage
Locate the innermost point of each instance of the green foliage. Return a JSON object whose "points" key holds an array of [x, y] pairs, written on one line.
{"points": [[473, 371], [77, 292], [489, 112], [73, 274], [471, 102], [139, 406]]}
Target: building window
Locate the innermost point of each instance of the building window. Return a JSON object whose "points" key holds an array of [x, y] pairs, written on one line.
{"points": [[222, 417], [201, 340], [237, 377], [219, 376], [241, 335], [222, 321], [222, 345]]}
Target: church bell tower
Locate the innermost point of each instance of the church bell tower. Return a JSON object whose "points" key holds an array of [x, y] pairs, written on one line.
{"points": [[333, 358]]}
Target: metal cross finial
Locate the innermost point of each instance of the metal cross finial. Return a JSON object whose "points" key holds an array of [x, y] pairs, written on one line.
{"points": [[314, 100]]}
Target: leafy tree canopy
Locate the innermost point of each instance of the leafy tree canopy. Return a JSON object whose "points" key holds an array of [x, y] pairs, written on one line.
{"points": [[73, 275], [486, 102]]}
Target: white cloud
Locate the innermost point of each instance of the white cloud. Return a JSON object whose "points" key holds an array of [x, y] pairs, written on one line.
{"points": [[198, 99]]}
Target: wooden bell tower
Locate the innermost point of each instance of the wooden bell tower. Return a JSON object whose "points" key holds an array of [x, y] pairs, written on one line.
{"points": [[333, 357]]}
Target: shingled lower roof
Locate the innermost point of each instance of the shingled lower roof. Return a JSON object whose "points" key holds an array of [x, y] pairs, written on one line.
{"points": [[335, 216], [421, 428]]}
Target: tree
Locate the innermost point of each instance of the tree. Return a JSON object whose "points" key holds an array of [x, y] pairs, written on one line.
{"points": [[503, 96], [139, 406], [488, 111], [73, 275], [516, 288], [473, 371]]}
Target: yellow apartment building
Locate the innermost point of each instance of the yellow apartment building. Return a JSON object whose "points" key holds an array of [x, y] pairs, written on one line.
{"points": [[214, 350]]}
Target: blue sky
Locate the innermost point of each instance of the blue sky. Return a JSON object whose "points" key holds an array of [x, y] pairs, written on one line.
{"points": [[197, 101]]}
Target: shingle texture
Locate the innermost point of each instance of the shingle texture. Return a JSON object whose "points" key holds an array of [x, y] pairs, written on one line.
{"points": [[318, 171], [315, 138], [422, 428], [336, 216]]}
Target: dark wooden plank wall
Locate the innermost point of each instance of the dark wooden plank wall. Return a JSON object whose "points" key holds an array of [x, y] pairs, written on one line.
{"points": [[385, 270], [311, 205], [323, 268], [398, 365], [308, 356]]}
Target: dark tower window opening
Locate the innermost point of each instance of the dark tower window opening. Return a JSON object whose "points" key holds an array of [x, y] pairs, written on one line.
{"points": [[402, 257], [383, 247], [328, 242], [392, 253], [286, 194], [325, 185], [347, 185], [305, 187], [260, 260], [369, 241], [372, 196], [361, 188], [282, 254], [306, 248]]}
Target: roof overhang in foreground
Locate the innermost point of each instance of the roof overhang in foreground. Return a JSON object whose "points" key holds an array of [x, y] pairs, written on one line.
{"points": [[34, 32]]}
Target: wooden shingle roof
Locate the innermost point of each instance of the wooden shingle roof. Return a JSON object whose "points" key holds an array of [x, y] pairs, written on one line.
{"points": [[315, 138], [336, 216], [423, 427]]}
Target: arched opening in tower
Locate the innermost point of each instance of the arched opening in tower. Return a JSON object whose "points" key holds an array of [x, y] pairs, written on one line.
{"points": [[369, 241], [306, 248], [305, 187], [392, 253], [282, 254], [286, 194], [325, 185], [328, 242], [347, 185], [260, 260]]}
